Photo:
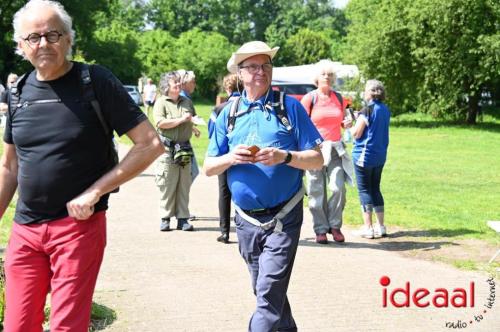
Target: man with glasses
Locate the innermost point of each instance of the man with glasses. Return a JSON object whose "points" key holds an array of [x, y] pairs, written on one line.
{"points": [[265, 160], [56, 152]]}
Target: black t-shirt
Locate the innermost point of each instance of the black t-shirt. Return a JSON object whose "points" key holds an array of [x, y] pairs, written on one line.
{"points": [[61, 145]]}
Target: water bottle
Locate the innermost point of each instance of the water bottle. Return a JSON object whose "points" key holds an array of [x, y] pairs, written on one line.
{"points": [[347, 132]]}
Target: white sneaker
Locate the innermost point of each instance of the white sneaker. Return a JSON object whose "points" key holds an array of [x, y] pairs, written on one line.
{"points": [[379, 231], [366, 232]]}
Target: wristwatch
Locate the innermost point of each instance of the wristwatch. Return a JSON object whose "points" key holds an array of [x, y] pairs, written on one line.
{"points": [[288, 157]]}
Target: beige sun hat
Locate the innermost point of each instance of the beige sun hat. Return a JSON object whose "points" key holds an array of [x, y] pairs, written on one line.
{"points": [[248, 50]]}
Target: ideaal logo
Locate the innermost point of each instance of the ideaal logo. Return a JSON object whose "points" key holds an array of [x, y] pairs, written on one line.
{"points": [[439, 298]]}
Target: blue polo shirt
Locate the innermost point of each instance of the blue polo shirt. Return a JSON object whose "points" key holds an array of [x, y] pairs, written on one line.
{"points": [[257, 186], [370, 150]]}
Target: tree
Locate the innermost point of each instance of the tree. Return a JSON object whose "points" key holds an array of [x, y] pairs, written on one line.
{"points": [[116, 48], [83, 14], [451, 39], [378, 41], [157, 53], [205, 53], [434, 56], [307, 46]]}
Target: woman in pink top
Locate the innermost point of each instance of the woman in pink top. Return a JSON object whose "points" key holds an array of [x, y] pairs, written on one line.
{"points": [[325, 108]]}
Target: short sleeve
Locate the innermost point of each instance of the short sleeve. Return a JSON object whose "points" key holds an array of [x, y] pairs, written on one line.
{"points": [[118, 107]]}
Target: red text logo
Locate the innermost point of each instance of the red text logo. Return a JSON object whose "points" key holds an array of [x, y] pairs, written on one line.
{"points": [[422, 297]]}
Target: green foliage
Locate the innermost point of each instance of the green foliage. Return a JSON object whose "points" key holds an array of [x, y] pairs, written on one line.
{"points": [[433, 56], [239, 20], [83, 13], [115, 47], [157, 52], [378, 43], [317, 16], [205, 53], [307, 46]]}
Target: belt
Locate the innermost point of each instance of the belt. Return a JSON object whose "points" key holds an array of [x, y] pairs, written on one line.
{"points": [[266, 211], [276, 221]]}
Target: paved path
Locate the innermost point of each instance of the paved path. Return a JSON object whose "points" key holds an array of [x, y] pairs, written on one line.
{"points": [[180, 281]]}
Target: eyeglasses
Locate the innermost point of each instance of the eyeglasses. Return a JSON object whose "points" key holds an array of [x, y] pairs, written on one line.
{"points": [[253, 68], [51, 37]]}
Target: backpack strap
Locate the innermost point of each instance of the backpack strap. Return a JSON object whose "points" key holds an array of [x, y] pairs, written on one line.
{"points": [[340, 99], [314, 99], [279, 108], [231, 120], [14, 95], [88, 94], [281, 112]]}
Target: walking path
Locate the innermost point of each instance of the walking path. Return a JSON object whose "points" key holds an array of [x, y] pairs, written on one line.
{"points": [[186, 281]]}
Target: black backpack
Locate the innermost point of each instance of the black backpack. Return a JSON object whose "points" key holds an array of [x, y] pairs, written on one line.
{"points": [[279, 107], [88, 95]]}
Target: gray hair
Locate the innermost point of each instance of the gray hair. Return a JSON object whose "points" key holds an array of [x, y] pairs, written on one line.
{"points": [[12, 78], [324, 66], [36, 4], [186, 76], [165, 79], [375, 89]]}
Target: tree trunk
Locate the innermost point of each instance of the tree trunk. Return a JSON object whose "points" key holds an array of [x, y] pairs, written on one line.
{"points": [[473, 109]]}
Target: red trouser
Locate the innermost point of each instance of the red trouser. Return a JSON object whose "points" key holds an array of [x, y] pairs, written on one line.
{"points": [[63, 256]]}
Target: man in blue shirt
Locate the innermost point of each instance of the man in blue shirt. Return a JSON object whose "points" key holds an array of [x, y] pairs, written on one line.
{"points": [[265, 160]]}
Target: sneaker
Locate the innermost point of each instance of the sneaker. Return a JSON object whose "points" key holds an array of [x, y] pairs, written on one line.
{"points": [[224, 238], [337, 235], [183, 224], [321, 238], [165, 225], [366, 232], [379, 231]]}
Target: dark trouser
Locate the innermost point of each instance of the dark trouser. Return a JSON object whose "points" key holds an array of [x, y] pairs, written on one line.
{"points": [[224, 204], [269, 256], [368, 180]]}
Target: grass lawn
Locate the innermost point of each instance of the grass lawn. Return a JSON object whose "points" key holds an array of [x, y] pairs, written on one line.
{"points": [[440, 178]]}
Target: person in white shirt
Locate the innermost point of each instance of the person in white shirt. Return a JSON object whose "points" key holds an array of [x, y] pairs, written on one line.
{"points": [[149, 96]]}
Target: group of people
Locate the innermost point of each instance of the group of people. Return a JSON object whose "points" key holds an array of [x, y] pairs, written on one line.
{"points": [[328, 111], [58, 152]]}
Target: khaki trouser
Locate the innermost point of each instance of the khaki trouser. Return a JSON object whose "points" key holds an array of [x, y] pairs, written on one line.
{"points": [[327, 211], [174, 182]]}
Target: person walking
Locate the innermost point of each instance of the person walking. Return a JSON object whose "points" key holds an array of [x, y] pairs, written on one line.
{"points": [[232, 87], [58, 154], [265, 179], [326, 110], [369, 154]]}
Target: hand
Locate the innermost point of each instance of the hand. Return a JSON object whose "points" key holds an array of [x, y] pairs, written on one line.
{"points": [[82, 207], [270, 156], [241, 155], [196, 132], [347, 123]]}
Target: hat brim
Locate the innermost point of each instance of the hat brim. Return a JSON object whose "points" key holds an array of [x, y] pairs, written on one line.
{"points": [[237, 58]]}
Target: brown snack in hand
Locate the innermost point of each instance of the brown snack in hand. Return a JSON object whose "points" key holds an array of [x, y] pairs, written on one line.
{"points": [[253, 150]]}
